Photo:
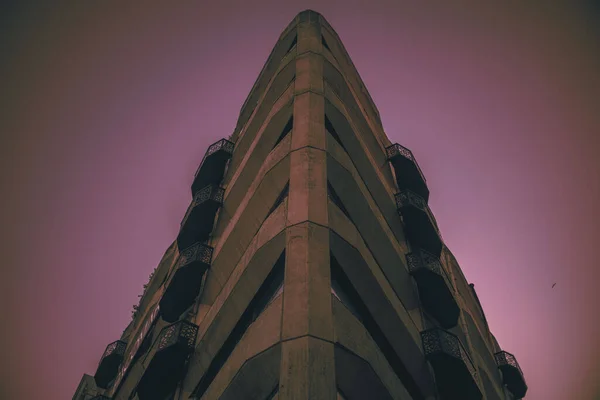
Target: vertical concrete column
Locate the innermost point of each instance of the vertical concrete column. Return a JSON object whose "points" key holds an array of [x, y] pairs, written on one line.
{"points": [[308, 176], [307, 356]]}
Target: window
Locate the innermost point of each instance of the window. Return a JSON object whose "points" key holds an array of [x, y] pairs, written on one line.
{"points": [[335, 199], [272, 395], [342, 296], [286, 130], [271, 287], [294, 42], [388, 351], [146, 342], [324, 43], [329, 128], [280, 198]]}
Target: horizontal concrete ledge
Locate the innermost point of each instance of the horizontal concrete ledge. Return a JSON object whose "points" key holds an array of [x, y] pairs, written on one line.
{"points": [[306, 336], [303, 91], [307, 147]]}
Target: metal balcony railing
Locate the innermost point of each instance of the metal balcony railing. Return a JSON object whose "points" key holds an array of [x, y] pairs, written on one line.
{"points": [[420, 258], [512, 374], [407, 197], [212, 168], [223, 144], [198, 252], [185, 284], [455, 373], [505, 358], [109, 363], [210, 192], [166, 366], [181, 334], [435, 289], [437, 341], [117, 348], [399, 150]]}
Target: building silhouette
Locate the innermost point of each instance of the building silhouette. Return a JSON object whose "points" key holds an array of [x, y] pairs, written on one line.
{"points": [[308, 264]]}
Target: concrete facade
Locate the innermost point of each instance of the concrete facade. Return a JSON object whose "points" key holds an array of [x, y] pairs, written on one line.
{"points": [[308, 292]]}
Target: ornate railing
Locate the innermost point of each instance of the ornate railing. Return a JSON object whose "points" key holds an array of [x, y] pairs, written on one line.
{"points": [[222, 144], [117, 348], [409, 198], [423, 259], [396, 149], [210, 192], [437, 341], [182, 332], [505, 358], [197, 252]]}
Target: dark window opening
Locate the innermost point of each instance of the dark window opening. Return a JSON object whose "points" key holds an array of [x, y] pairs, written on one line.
{"points": [[294, 42], [329, 127], [286, 130], [171, 396], [140, 352], [336, 200], [275, 390], [273, 288], [341, 394], [268, 290], [324, 43], [146, 343], [280, 198], [373, 328], [339, 292]]}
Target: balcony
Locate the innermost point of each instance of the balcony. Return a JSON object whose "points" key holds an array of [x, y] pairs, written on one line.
{"points": [[185, 284], [109, 364], [198, 221], [421, 227], [435, 289], [408, 174], [455, 374], [511, 373], [167, 366], [101, 397], [212, 168]]}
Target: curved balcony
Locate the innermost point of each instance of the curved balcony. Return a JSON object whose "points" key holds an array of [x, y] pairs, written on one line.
{"points": [[421, 227], [511, 374], [198, 221], [167, 366], [109, 364], [435, 289], [185, 284], [212, 168], [455, 374], [408, 174]]}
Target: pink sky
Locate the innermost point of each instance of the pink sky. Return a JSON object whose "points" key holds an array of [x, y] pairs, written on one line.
{"points": [[108, 109]]}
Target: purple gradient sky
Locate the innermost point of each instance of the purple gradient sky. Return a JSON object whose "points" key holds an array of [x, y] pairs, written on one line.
{"points": [[108, 110]]}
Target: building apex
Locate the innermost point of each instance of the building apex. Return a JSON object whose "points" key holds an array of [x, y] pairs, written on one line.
{"points": [[308, 15]]}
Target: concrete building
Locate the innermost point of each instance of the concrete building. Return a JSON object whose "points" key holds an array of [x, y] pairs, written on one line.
{"points": [[308, 265]]}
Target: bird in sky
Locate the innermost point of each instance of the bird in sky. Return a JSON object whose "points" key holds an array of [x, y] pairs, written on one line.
{"points": [[553, 286]]}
